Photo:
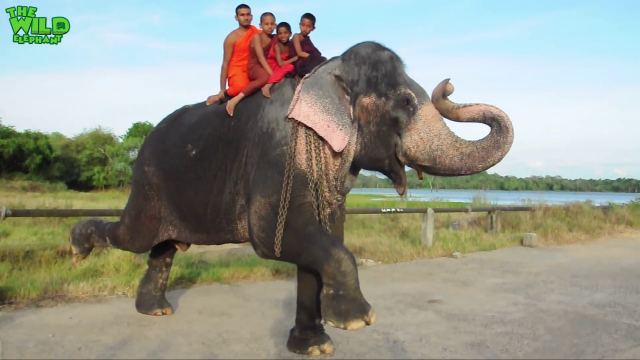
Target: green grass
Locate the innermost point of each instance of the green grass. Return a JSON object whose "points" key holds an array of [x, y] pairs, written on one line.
{"points": [[35, 263]]}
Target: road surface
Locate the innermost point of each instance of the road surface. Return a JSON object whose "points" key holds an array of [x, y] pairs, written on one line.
{"points": [[578, 301]]}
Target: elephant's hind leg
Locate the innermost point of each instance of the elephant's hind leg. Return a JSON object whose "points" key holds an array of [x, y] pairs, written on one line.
{"points": [[151, 299]]}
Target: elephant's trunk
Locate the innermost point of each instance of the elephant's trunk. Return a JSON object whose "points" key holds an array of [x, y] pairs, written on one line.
{"points": [[446, 154]]}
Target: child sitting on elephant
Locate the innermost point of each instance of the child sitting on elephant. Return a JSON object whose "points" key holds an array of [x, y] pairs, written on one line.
{"points": [[277, 57], [308, 55]]}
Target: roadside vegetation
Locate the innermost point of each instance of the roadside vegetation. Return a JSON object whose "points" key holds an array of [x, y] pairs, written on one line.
{"points": [[35, 263], [99, 159]]}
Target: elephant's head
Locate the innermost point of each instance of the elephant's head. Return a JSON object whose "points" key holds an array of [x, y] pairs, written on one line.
{"points": [[367, 90]]}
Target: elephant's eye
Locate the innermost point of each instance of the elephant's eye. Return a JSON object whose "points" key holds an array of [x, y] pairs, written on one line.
{"points": [[406, 101]]}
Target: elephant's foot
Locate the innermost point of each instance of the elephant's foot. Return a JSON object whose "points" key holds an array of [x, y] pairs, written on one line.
{"points": [[345, 311], [312, 343], [156, 307], [151, 299]]}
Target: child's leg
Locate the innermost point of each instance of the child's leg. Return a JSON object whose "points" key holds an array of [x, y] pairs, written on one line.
{"points": [[277, 75], [259, 78]]}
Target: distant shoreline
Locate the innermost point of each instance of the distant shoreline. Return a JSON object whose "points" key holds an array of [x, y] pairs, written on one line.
{"points": [[503, 197], [519, 191]]}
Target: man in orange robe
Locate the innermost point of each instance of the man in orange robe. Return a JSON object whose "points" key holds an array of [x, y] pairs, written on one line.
{"points": [[236, 56]]}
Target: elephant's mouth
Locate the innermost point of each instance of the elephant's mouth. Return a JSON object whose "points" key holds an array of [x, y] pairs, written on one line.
{"points": [[397, 175], [419, 173]]}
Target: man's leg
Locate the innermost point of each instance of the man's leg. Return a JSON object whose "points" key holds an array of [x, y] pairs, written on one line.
{"points": [[260, 76], [237, 82]]}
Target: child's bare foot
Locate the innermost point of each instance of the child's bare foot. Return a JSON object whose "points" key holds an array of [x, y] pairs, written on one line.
{"points": [[265, 91], [231, 105]]}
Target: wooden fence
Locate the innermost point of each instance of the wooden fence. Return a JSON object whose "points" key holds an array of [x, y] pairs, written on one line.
{"points": [[427, 218]]}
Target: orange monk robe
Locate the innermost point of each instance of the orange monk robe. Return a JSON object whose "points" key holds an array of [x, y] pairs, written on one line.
{"points": [[237, 76]]}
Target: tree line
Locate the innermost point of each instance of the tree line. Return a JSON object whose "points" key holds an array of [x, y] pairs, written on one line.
{"points": [[99, 159], [93, 159], [486, 181]]}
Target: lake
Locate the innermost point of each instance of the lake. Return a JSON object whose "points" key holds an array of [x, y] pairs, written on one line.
{"points": [[502, 197]]}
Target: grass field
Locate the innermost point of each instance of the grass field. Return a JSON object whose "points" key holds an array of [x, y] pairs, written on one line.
{"points": [[35, 265]]}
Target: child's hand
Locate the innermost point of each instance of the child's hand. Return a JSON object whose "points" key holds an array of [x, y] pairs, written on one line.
{"points": [[304, 54]]}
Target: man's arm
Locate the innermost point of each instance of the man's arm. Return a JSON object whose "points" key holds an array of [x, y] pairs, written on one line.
{"points": [[296, 45], [229, 41]]}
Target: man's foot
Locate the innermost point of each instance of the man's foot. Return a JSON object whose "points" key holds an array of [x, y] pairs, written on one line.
{"points": [[265, 91], [212, 99]]}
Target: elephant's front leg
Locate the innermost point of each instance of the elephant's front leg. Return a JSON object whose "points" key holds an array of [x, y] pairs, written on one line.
{"points": [[308, 336], [342, 304], [341, 301]]}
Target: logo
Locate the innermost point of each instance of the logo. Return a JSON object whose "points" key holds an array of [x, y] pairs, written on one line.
{"points": [[35, 30]]}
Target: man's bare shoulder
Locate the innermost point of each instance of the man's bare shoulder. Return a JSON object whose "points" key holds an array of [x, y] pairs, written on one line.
{"points": [[234, 36]]}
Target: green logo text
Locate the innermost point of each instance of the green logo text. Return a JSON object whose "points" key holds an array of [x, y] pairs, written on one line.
{"points": [[35, 30]]}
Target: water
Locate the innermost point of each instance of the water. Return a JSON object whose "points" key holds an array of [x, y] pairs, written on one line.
{"points": [[502, 197]]}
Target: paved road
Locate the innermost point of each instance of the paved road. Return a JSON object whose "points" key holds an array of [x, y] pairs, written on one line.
{"points": [[561, 302]]}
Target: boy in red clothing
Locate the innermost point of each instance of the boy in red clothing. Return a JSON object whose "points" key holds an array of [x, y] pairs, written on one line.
{"points": [[277, 58]]}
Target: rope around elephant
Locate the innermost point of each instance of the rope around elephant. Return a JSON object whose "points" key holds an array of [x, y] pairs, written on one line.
{"points": [[313, 148]]}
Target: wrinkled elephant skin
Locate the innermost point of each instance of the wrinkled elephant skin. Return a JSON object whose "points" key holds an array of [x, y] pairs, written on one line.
{"points": [[204, 178]]}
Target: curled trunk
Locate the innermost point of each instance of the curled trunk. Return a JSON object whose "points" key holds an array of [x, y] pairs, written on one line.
{"points": [[446, 154]]}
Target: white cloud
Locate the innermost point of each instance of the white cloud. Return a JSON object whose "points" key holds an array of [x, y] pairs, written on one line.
{"points": [[94, 32], [111, 97], [535, 164], [220, 9], [226, 9], [501, 31], [620, 172], [561, 113], [568, 120]]}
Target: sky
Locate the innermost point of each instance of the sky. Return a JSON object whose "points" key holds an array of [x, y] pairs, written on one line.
{"points": [[566, 72]]}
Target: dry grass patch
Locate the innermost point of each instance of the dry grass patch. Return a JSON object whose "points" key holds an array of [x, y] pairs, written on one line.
{"points": [[35, 264]]}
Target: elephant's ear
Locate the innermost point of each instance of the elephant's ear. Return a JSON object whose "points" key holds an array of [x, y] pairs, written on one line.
{"points": [[321, 101]]}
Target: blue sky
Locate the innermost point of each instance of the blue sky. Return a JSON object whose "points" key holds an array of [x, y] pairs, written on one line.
{"points": [[566, 72]]}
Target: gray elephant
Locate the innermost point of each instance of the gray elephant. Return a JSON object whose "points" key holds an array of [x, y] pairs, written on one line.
{"points": [[277, 173]]}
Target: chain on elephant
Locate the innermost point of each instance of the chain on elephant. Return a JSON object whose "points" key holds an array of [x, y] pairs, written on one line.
{"points": [[313, 148]]}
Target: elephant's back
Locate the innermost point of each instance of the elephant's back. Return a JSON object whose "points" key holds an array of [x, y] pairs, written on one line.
{"points": [[202, 163]]}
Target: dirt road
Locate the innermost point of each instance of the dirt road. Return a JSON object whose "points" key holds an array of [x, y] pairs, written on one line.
{"points": [[563, 302]]}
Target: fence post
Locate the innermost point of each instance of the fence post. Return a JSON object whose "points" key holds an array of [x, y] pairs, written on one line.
{"points": [[494, 221], [428, 228]]}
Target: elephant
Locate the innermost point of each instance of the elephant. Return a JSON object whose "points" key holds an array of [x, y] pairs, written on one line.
{"points": [[277, 175]]}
